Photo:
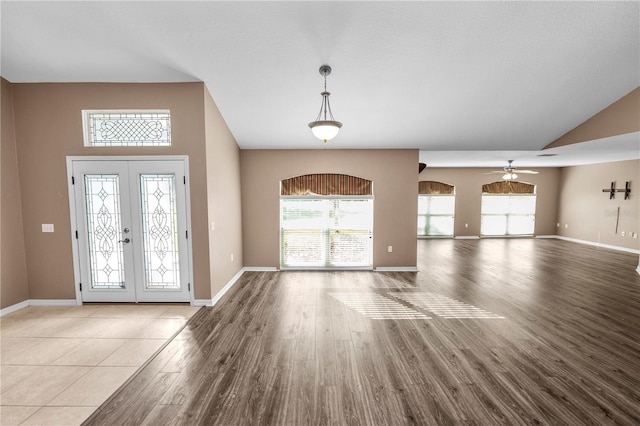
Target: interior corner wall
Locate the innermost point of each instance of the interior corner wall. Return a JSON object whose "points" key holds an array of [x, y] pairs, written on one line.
{"points": [[586, 212], [48, 126], [14, 286], [224, 198], [468, 183], [395, 190]]}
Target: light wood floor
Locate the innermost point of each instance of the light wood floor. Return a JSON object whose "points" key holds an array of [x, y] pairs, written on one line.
{"points": [[295, 348]]}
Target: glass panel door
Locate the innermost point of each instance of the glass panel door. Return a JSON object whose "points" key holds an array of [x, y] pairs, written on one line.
{"points": [[350, 233], [132, 231], [161, 227], [326, 232], [104, 231]]}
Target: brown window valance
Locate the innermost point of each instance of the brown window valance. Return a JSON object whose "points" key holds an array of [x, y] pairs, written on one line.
{"points": [[508, 187], [431, 187], [326, 184]]}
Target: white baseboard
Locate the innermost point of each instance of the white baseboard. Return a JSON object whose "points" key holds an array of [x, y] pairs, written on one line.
{"points": [[38, 302], [73, 302], [14, 308], [467, 237], [232, 281], [260, 269], [546, 236], [226, 287], [202, 302], [396, 269], [592, 243], [53, 302]]}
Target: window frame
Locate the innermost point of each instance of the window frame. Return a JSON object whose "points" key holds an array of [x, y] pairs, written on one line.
{"points": [[326, 232], [86, 127], [427, 216], [508, 215]]}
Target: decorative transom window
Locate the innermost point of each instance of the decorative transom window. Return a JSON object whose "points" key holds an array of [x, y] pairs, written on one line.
{"points": [[127, 128]]}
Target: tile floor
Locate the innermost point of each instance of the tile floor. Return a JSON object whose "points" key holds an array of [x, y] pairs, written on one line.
{"points": [[58, 364]]}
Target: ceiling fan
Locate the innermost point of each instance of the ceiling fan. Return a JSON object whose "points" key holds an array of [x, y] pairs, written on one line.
{"points": [[509, 172]]}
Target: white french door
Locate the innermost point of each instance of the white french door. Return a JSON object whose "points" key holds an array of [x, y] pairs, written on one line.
{"points": [[131, 221]]}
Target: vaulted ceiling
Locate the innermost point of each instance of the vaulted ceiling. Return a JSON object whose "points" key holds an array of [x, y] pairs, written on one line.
{"points": [[460, 81]]}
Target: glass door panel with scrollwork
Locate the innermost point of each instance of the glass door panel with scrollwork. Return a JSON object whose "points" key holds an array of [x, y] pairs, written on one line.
{"points": [[106, 253], [159, 231]]}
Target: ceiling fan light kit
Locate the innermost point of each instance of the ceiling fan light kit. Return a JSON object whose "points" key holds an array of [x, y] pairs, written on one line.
{"points": [[325, 127], [510, 172]]}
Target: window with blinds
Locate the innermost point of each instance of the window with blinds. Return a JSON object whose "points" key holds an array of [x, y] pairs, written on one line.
{"points": [[436, 209], [436, 215], [508, 214], [325, 232]]}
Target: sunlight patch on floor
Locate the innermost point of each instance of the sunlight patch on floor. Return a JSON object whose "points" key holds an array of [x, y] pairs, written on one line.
{"points": [[443, 306], [375, 306]]}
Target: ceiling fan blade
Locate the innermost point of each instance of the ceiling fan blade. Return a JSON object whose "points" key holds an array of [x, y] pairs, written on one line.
{"points": [[491, 173], [529, 172]]}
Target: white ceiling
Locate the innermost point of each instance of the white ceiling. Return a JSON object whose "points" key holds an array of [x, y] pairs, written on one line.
{"points": [[448, 78]]}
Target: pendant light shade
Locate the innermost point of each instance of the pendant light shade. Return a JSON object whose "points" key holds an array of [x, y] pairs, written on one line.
{"points": [[325, 127]]}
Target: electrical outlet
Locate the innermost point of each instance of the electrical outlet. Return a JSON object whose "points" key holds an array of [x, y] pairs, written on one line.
{"points": [[635, 235], [390, 249], [47, 227], [466, 225], [558, 225], [622, 233], [566, 225], [212, 226], [232, 257]]}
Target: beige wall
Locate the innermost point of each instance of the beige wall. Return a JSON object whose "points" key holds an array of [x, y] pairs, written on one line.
{"points": [[41, 125], [468, 183], [589, 213], [49, 127], [394, 175], [619, 118], [13, 276], [224, 200]]}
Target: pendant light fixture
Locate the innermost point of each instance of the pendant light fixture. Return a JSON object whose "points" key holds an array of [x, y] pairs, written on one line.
{"points": [[325, 127]]}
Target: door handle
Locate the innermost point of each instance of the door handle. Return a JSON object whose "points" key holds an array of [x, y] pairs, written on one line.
{"points": [[126, 241]]}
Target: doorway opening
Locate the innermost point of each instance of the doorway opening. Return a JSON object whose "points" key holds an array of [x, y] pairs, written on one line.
{"points": [[130, 227]]}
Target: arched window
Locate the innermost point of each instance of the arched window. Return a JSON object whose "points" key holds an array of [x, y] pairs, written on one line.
{"points": [[436, 207], [508, 208], [326, 221]]}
